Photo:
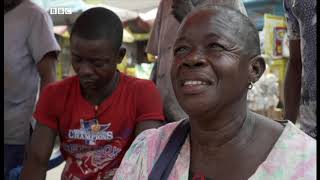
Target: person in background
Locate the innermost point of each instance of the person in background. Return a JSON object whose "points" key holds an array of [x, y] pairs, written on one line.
{"points": [[301, 79], [217, 58], [30, 56], [169, 15], [96, 113]]}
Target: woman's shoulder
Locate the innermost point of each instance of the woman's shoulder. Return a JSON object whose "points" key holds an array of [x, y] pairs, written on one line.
{"points": [[285, 129], [267, 128], [292, 157], [157, 136], [152, 140], [285, 132], [144, 151], [294, 136]]}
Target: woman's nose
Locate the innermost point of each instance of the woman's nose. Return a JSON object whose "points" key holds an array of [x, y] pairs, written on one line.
{"points": [[195, 60]]}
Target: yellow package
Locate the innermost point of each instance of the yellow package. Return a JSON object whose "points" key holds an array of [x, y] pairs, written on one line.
{"points": [[278, 67], [123, 65], [271, 22], [131, 71]]}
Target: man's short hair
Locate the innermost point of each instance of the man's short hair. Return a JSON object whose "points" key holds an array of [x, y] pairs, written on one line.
{"points": [[99, 24]]}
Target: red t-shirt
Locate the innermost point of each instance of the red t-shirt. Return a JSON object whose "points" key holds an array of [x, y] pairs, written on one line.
{"points": [[91, 153]]}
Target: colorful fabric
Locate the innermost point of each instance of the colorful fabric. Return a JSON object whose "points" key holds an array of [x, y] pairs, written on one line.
{"points": [[90, 151], [293, 156]]}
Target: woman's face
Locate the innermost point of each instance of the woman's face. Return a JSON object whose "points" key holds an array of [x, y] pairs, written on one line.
{"points": [[208, 71]]}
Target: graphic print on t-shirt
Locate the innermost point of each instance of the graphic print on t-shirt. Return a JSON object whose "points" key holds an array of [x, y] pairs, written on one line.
{"points": [[94, 149], [91, 131]]}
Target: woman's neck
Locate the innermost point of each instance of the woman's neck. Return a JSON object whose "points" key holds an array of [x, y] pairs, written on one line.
{"points": [[229, 131]]}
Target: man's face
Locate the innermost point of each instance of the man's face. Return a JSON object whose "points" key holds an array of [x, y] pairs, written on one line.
{"points": [[208, 70], [94, 61]]}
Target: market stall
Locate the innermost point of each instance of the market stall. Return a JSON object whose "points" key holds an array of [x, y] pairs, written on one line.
{"points": [[266, 96]]}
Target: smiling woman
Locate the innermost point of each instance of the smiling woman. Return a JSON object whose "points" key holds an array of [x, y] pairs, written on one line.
{"points": [[216, 59], [213, 55]]}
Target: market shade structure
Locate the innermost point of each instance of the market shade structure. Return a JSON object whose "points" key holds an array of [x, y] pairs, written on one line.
{"points": [[139, 6], [125, 9], [255, 8], [139, 21], [76, 6]]}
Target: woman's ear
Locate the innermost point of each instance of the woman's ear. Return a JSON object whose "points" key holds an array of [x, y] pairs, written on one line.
{"points": [[121, 54], [257, 66]]}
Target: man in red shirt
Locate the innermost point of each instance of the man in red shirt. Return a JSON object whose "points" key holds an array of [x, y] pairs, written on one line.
{"points": [[96, 113]]}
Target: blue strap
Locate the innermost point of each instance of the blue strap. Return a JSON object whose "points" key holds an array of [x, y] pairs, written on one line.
{"points": [[162, 168]]}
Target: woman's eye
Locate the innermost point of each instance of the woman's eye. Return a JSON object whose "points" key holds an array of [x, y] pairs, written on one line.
{"points": [[180, 50], [216, 46]]}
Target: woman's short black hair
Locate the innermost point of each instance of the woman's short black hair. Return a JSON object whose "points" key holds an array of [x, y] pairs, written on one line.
{"points": [[99, 24], [250, 34]]}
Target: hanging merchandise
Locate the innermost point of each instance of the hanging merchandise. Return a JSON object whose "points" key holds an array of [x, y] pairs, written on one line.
{"points": [[151, 58], [274, 28], [285, 46], [127, 67], [278, 35], [278, 67], [143, 70]]}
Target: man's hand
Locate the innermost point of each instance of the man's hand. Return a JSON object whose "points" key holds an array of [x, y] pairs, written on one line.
{"points": [[38, 153]]}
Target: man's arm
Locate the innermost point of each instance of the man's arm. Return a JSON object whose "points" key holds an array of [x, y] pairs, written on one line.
{"points": [[38, 154], [149, 107], [47, 69], [292, 83], [153, 42]]}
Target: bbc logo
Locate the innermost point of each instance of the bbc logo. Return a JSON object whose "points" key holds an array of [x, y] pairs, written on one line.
{"points": [[60, 11]]}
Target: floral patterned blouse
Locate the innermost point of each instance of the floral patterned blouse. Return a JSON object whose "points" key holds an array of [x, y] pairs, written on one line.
{"points": [[293, 156]]}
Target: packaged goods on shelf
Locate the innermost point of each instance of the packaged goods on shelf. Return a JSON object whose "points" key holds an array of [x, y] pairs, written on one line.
{"points": [[274, 29], [278, 36], [143, 70]]}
